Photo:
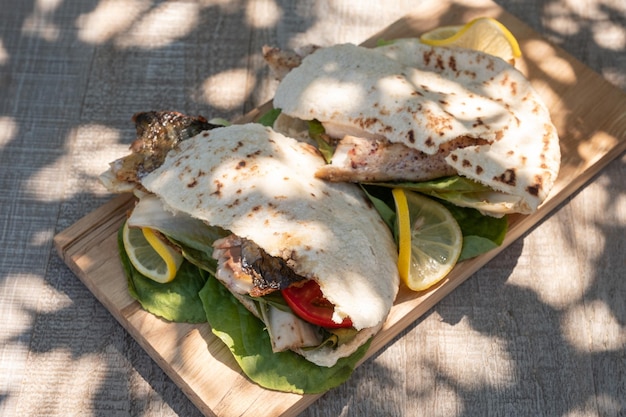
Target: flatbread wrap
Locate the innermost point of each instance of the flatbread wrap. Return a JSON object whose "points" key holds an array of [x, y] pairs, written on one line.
{"points": [[281, 229], [406, 111]]}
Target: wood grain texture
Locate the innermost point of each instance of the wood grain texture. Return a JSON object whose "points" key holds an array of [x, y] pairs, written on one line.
{"points": [[538, 330]]}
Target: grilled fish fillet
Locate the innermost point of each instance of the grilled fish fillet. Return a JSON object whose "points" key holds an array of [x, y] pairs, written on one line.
{"points": [[359, 159], [158, 132]]}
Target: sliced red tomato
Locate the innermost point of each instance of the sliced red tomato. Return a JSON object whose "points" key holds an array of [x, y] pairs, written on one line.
{"points": [[308, 303]]}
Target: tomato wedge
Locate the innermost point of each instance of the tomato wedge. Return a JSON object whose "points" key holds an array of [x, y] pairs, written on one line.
{"points": [[308, 303]]}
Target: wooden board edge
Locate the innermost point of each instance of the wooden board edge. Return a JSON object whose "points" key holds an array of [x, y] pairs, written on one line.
{"points": [[65, 240]]}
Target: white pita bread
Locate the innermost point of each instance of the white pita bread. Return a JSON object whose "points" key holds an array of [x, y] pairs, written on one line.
{"points": [[260, 185], [423, 97]]}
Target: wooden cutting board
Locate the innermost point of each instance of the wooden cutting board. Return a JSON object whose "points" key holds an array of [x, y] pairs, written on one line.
{"points": [[589, 113]]}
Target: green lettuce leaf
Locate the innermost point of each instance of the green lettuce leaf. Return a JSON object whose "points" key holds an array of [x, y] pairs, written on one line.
{"points": [[384, 42], [384, 210], [317, 132], [441, 187], [460, 191], [268, 118], [249, 343], [480, 233], [176, 301]]}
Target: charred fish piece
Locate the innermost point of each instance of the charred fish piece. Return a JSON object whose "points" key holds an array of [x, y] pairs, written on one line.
{"points": [[158, 132], [246, 268]]}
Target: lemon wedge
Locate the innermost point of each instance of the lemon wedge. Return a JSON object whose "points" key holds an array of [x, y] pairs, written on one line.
{"points": [[483, 34], [150, 255], [429, 239]]}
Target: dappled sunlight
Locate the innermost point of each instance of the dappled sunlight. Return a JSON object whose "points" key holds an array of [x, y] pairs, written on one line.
{"points": [[553, 66], [97, 145], [361, 23], [602, 405], [574, 293], [109, 19], [454, 401], [103, 145], [228, 89], [595, 11], [75, 71], [88, 372], [17, 320], [497, 372], [602, 333], [460, 364], [47, 6], [41, 237], [263, 13], [38, 184], [610, 35], [569, 19], [563, 24], [616, 75], [555, 72], [4, 54], [162, 25], [596, 146], [540, 265], [613, 216], [335, 93], [138, 23], [40, 22], [8, 130]]}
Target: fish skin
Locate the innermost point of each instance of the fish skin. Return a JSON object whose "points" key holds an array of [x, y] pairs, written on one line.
{"points": [[158, 132]]}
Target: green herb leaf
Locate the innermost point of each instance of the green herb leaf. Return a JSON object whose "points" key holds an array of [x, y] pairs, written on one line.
{"points": [[459, 191], [269, 118], [480, 233], [384, 210], [443, 185], [317, 132], [384, 42], [475, 245], [249, 343]]}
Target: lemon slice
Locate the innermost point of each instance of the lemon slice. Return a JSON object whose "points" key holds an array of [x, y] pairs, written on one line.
{"points": [[150, 255], [429, 239], [483, 34]]}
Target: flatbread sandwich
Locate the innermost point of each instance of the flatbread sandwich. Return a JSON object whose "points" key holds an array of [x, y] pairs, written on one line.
{"points": [[311, 259], [281, 226], [409, 112]]}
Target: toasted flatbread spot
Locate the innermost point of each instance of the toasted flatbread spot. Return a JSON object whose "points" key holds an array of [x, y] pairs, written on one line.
{"points": [[411, 136], [508, 177]]}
